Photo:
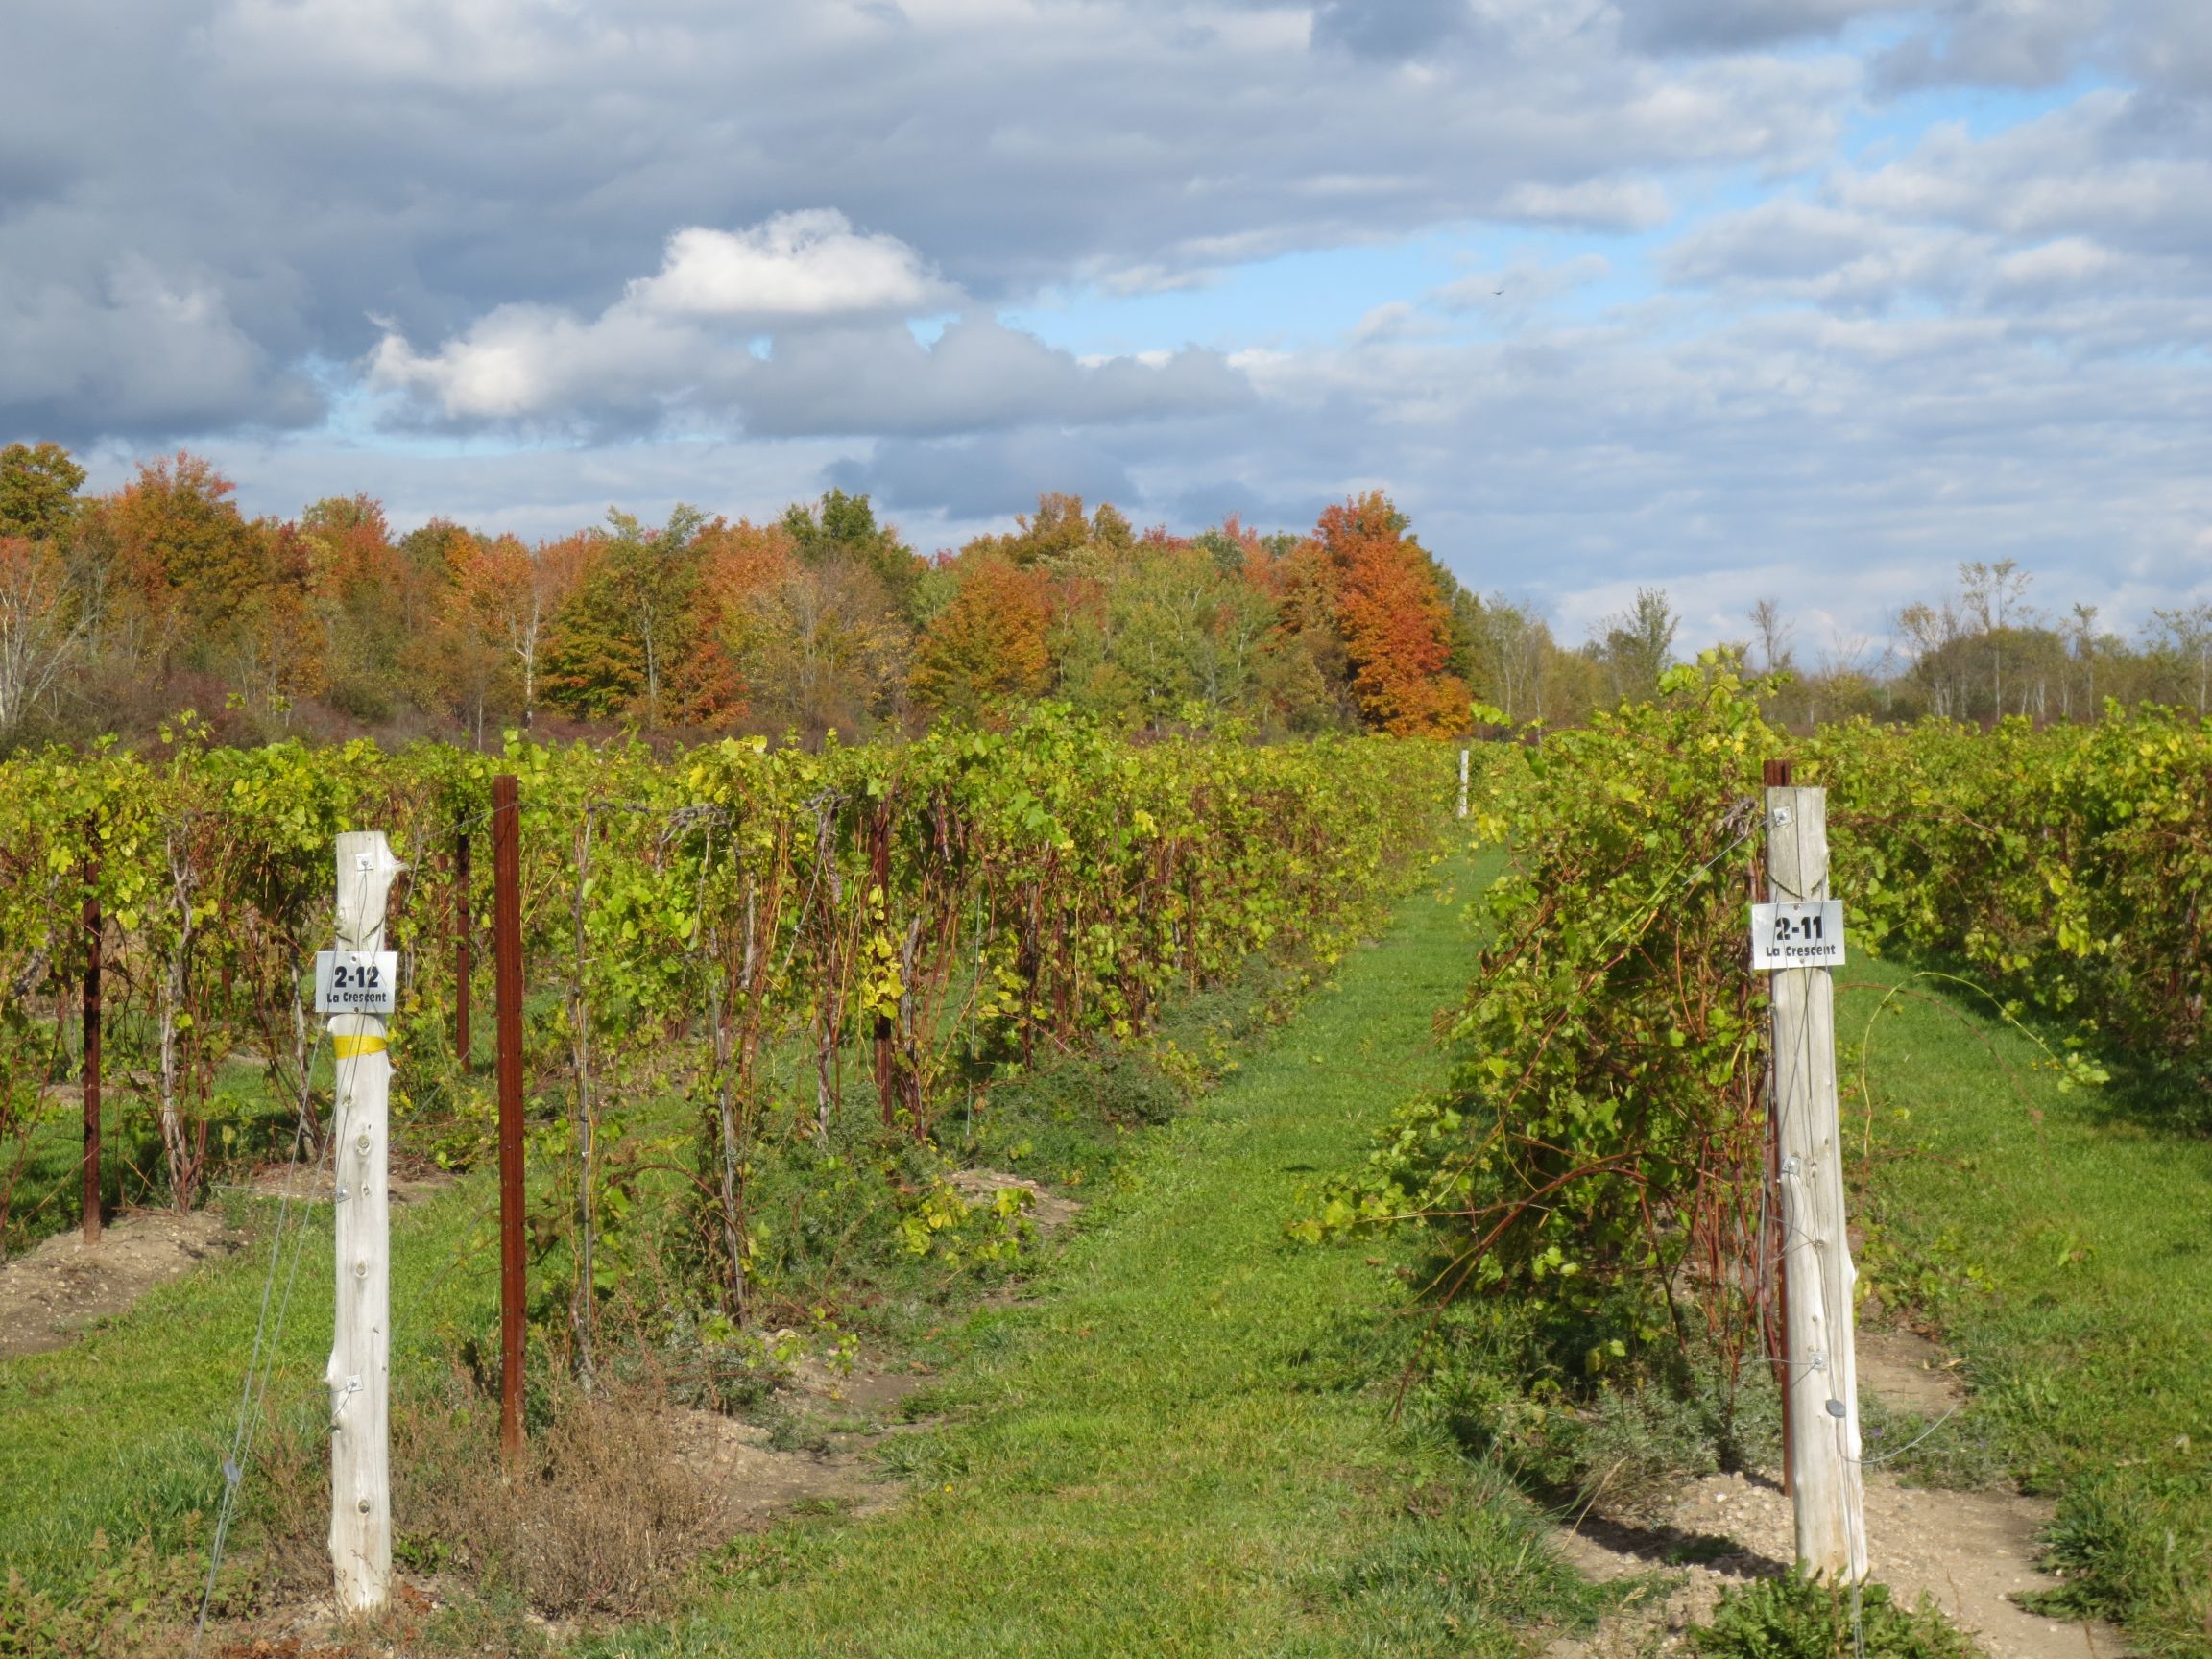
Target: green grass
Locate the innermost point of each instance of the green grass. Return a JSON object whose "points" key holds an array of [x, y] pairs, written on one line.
{"points": [[122, 1432], [1177, 1446], [2064, 1247]]}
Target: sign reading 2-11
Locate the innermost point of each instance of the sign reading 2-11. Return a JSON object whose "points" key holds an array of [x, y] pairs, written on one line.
{"points": [[1798, 935]]}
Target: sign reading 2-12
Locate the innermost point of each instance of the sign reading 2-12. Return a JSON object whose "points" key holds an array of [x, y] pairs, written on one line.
{"points": [[356, 981], [1798, 935]]}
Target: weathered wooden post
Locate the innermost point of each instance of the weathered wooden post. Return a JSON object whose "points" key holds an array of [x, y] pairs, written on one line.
{"points": [[507, 984], [1800, 935], [354, 986], [1463, 783]]}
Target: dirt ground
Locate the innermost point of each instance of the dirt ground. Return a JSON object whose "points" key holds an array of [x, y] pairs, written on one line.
{"points": [[1970, 1553], [1047, 1209], [50, 1293]]}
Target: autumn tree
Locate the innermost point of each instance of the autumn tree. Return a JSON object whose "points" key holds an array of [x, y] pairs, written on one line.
{"points": [[500, 602], [363, 593], [1635, 646], [1396, 628], [628, 618], [1058, 531], [278, 652], [739, 564], [1304, 673], [823, 646], [1512, 649], [1171, 630], [184, 553], [986, 649]]}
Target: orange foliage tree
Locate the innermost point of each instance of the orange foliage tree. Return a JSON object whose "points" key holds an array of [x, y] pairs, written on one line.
{"points": [[1396, 628], [988, 646]]}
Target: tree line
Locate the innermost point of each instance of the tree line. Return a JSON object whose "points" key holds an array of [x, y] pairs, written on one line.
{"points": [[117, 609]]}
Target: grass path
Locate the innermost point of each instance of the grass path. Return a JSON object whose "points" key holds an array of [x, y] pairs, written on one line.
{"points": [[2060, 1241], [1177, 1447]]}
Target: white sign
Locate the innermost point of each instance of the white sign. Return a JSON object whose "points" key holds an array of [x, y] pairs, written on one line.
{"points": [[356, 981], [1798, 935]]}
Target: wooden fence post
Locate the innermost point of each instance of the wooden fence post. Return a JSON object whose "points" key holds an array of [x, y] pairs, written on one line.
{"points": [[360, 1372], [1463, 783], [507, 975], [95, 933], [1825, 1483]]}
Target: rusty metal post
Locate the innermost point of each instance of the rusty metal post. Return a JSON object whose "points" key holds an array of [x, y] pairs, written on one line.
{"points": [[506, 961], [463, 964], [879, 872], [94, 935]]}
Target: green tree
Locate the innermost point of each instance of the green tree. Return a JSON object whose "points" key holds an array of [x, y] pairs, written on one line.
{"points": [[1638, 644], [844, 526], [38, 485]]}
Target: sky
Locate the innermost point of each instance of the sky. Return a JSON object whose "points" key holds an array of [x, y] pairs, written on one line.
{"points": [[1807, 300]]}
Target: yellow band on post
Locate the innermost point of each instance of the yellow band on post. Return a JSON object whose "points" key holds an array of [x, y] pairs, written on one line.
{"points": [[354, 1047]]}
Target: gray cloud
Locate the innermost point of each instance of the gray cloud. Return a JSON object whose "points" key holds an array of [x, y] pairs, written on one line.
{"points": [[2162, 45], [213, 213], [1996, 43], [1390, 29], [988, 477], [319, 163], [143, 349], [1737, 25]]}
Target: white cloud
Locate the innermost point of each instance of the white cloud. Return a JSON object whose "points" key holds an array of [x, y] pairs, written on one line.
{"points": [[1593, 204], [682, 344], [808, 264]]}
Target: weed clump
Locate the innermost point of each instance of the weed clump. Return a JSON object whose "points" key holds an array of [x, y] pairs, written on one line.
{"points": [[602, 1511], [1800, 1617]]}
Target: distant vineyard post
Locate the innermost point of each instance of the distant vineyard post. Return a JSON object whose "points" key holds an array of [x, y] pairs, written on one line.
{"points": [[1464, 763], [1823, 1370], [360, 1372], [507, 987]]}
